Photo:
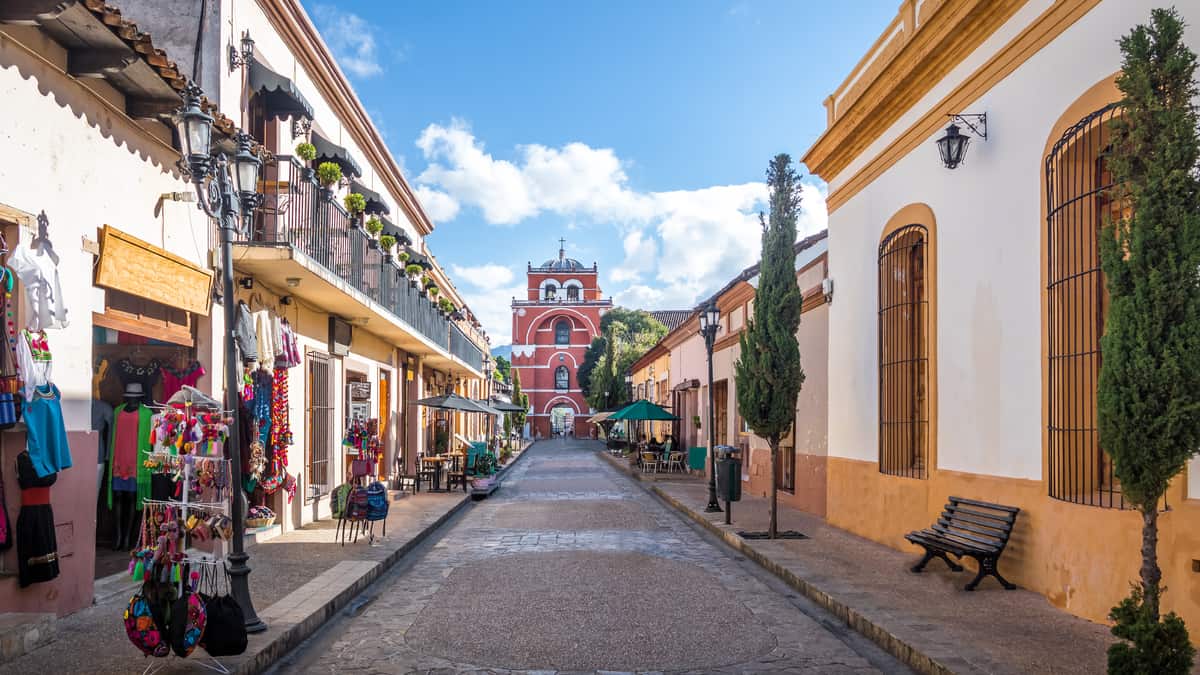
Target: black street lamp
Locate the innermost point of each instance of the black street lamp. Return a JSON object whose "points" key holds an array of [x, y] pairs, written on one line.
{"points": [[710, 321], [953, 145], [227, 189]]}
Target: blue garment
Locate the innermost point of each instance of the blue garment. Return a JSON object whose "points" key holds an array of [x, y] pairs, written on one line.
{"points": [[45, 434]]}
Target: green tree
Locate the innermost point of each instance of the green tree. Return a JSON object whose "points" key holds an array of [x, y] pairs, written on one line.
{"points": [[625, 335], [591, 358], [768, 370], [519, 398], [1148, 400], [503, 368]]}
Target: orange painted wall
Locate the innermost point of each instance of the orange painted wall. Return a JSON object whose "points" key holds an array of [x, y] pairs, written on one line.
{"points": [[1082, 558]]}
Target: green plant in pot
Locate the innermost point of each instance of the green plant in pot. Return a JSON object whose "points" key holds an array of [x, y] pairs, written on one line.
{"points": [[374, 227], [356, 204], [307, 152], [387, 242], [445, 305], [413, 271], [404, 257], [328, 174], [432, 291]]}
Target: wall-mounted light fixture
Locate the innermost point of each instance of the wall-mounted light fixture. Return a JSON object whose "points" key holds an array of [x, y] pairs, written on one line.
{"points": [[240, 55], [293, 282], [953, 146], [827, 289], [246, 282], [300, 127]]}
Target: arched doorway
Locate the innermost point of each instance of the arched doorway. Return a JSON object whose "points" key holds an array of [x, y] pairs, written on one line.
{"points": [[562, 420]]}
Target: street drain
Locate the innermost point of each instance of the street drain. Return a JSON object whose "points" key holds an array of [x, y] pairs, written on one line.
{"points": [[786, 534]]}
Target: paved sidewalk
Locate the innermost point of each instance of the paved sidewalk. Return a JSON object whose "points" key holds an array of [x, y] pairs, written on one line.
{"points": [[298, 580], [926, 620]]}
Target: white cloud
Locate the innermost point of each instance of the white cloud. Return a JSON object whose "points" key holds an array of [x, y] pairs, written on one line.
{"points": [[482, 276], [438, 205], [678, 245], [489, 290], [351, 39]]}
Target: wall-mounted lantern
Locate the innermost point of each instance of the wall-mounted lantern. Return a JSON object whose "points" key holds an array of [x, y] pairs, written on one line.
{"points": [[953, 146]]}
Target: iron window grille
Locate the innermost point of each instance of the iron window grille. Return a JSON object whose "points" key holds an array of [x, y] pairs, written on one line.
{"points": [[320, 424], [562, 332], [562, 379], [1079, 205], [904, 354]]}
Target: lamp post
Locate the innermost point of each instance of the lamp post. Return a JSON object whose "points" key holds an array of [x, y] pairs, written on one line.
{"points": [[710, 321], [230, 193], [487, 397]]}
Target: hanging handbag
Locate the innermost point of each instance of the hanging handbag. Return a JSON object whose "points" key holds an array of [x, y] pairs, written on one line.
{"points": [[188, 619], [225, 630]]}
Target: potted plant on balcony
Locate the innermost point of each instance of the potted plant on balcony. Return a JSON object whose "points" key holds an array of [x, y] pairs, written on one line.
{"points": [[374, 228], [386, 242], [404, 257], [446, 306], [307, 152], [413, 271], [328, 174], [355, 205]]}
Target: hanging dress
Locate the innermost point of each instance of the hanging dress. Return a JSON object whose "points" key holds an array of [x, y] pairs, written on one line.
{"points": [[43, 292], [134, 427], [174, 380], [37, 547]]}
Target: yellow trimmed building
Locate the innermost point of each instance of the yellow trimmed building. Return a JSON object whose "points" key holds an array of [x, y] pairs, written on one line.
{"points": [[963, 351]]}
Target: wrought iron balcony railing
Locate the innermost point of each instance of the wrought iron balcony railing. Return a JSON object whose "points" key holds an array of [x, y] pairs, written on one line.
{"points": [[295, 213]]}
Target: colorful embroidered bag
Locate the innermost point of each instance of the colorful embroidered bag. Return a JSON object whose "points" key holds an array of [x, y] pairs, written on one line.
{"points": [[356, 509], [142, 629], [188, 619]]}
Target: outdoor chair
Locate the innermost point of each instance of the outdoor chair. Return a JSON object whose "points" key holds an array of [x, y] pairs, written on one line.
{"points": [[675, 461], [650, 461], [455, 473]]}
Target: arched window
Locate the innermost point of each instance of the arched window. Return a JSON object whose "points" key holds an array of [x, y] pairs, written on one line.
{"points": [[572, 293], [904, 353], [551, 292], [1078, 204], [562, 378], [562, 332]]}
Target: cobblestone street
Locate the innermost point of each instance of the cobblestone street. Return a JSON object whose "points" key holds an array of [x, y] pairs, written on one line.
{"points": [[572, 567]]}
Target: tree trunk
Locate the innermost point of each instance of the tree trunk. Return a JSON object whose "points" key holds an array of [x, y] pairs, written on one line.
{"points": [[773, 528], [1151, 574]]}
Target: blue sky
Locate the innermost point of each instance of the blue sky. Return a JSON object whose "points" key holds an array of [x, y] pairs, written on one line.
{"points": [[639, 131]]}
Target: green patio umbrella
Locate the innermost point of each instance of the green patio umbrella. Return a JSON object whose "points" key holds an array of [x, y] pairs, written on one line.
{"points": [[642, 410]]}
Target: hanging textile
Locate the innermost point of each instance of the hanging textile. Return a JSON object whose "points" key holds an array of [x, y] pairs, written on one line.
{"points": [[280, 438], [175, 380], [146, 375], [45, 433], [145, 423], [34, 360], [37, 546], [43, 293]]}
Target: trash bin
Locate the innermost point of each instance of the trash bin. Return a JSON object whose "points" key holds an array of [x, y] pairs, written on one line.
{"points": [[729, 474]]}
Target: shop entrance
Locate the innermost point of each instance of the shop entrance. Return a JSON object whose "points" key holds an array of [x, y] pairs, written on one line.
{"points": [[142, 352]]}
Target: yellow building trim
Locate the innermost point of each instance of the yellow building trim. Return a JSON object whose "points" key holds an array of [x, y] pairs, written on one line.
{"points": [[1044, 29], [903, 68]]}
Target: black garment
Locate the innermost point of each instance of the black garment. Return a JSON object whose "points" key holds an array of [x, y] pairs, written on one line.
{"points": [[146, 375], [7, 536], [37, 547]]}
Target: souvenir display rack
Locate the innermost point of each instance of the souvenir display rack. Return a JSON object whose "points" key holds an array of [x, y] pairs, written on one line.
{"points": [[188, 440]]}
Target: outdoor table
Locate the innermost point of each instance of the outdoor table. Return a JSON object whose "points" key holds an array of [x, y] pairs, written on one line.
{"points": [[437, 472]]}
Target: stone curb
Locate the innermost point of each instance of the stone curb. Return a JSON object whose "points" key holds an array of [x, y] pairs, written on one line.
{"points": [[906, 652], [289, 638]]}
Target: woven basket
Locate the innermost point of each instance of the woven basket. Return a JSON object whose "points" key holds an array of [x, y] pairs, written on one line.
{"points": [[260, 522]]}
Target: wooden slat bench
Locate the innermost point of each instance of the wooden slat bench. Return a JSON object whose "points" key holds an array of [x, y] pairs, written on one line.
{"points": [[968, 528]]}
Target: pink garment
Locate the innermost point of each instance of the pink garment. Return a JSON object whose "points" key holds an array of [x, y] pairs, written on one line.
{"points": [[125, 446], [174, 380]]}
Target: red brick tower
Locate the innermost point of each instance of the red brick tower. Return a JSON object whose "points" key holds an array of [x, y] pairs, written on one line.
{"points": [[552, 328]]}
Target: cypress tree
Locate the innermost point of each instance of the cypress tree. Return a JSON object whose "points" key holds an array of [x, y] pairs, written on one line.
{"points": [[768, 372], [1148, 403]]}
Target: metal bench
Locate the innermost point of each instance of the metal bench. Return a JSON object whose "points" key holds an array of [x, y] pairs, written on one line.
{"points": [[968, 528]]}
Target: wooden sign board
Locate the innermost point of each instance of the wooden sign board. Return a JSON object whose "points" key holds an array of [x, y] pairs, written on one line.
{"points": [[133, 266]]}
